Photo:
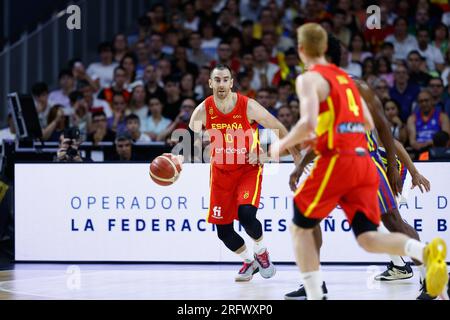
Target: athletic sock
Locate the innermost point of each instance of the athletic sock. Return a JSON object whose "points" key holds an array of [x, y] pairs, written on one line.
{"points": [[313, 285], [259, 247], [246, 256], [414, 249], [423, 272], [396, 260]]}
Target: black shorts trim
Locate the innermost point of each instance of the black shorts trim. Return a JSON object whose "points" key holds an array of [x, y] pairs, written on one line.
{"points": [[303, 222], [361, 224]]}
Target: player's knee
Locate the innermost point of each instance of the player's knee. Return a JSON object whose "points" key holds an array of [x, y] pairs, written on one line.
{"points": [[247, 215], [229, 237], [367, 241], [224, 231]]}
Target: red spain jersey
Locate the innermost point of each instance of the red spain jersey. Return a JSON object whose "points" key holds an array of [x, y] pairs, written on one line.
{"points": [[340, 124], [232, 136]]}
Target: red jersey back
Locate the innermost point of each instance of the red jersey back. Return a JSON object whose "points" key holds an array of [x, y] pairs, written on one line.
{"points": [[232, 136], [340, 125]]}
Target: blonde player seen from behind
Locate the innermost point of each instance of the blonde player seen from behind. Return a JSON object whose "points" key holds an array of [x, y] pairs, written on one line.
{"points": [[332, 110]]}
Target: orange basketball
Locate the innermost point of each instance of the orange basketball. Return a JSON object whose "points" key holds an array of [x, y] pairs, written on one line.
{"points": [[165, 169]]}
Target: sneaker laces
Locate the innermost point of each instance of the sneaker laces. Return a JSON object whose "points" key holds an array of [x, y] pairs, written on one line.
{"points": [[263, 259], [245, 267], [391, 266]]}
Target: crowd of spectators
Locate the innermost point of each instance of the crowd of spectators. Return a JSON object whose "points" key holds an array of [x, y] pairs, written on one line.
{"points": [[145, 84]]}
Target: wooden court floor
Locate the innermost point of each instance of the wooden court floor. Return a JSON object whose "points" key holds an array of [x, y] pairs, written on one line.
{"points": [[188, 282]]}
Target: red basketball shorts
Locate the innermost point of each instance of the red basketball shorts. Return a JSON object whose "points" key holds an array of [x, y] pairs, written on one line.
{"points": [[350, 181], [231, 188]]}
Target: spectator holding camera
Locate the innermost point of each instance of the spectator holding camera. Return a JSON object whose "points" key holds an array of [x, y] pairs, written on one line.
{"points": [[134, 129], [100, 131], [69, 142]]}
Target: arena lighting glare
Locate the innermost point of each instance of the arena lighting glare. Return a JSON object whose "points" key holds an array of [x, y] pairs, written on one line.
{"points": [[25, 116]]}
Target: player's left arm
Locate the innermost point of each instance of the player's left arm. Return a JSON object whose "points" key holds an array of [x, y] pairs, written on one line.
{"points": [[376, 110], [306, 87], [258, 113], [417, 179]]}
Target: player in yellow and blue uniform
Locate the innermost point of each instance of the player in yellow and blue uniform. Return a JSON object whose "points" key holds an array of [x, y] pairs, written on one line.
{"points": [[386, 197]]}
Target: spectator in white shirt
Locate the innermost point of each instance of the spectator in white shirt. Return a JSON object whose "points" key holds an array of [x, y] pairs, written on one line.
{"points": [[138, 101], [265, 73], [134, 129], [191, 21], [433, 56], [352, 68], [209, 41], [196, 54], [61, 96], [104, 70], [402, 41], [155, 124]]}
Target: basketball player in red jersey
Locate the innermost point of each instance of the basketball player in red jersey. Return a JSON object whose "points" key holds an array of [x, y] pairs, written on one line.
{"points": [[332, 110], [231, 121]]}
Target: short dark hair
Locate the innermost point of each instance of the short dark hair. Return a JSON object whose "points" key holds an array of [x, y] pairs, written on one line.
{"points": [[387, 44], [105, 46], [39, 88], [290, 52], [122, 137], [144, 21], [171, 78], [132, 116], [221, 66], [247, 23], [340, 11], [74, 96], [119, 68], [83, 84], [65, 72], [98, 114], [440, 139], [242, 75], [417, 53], [283, 83], [398, 19], [422, 29]]}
